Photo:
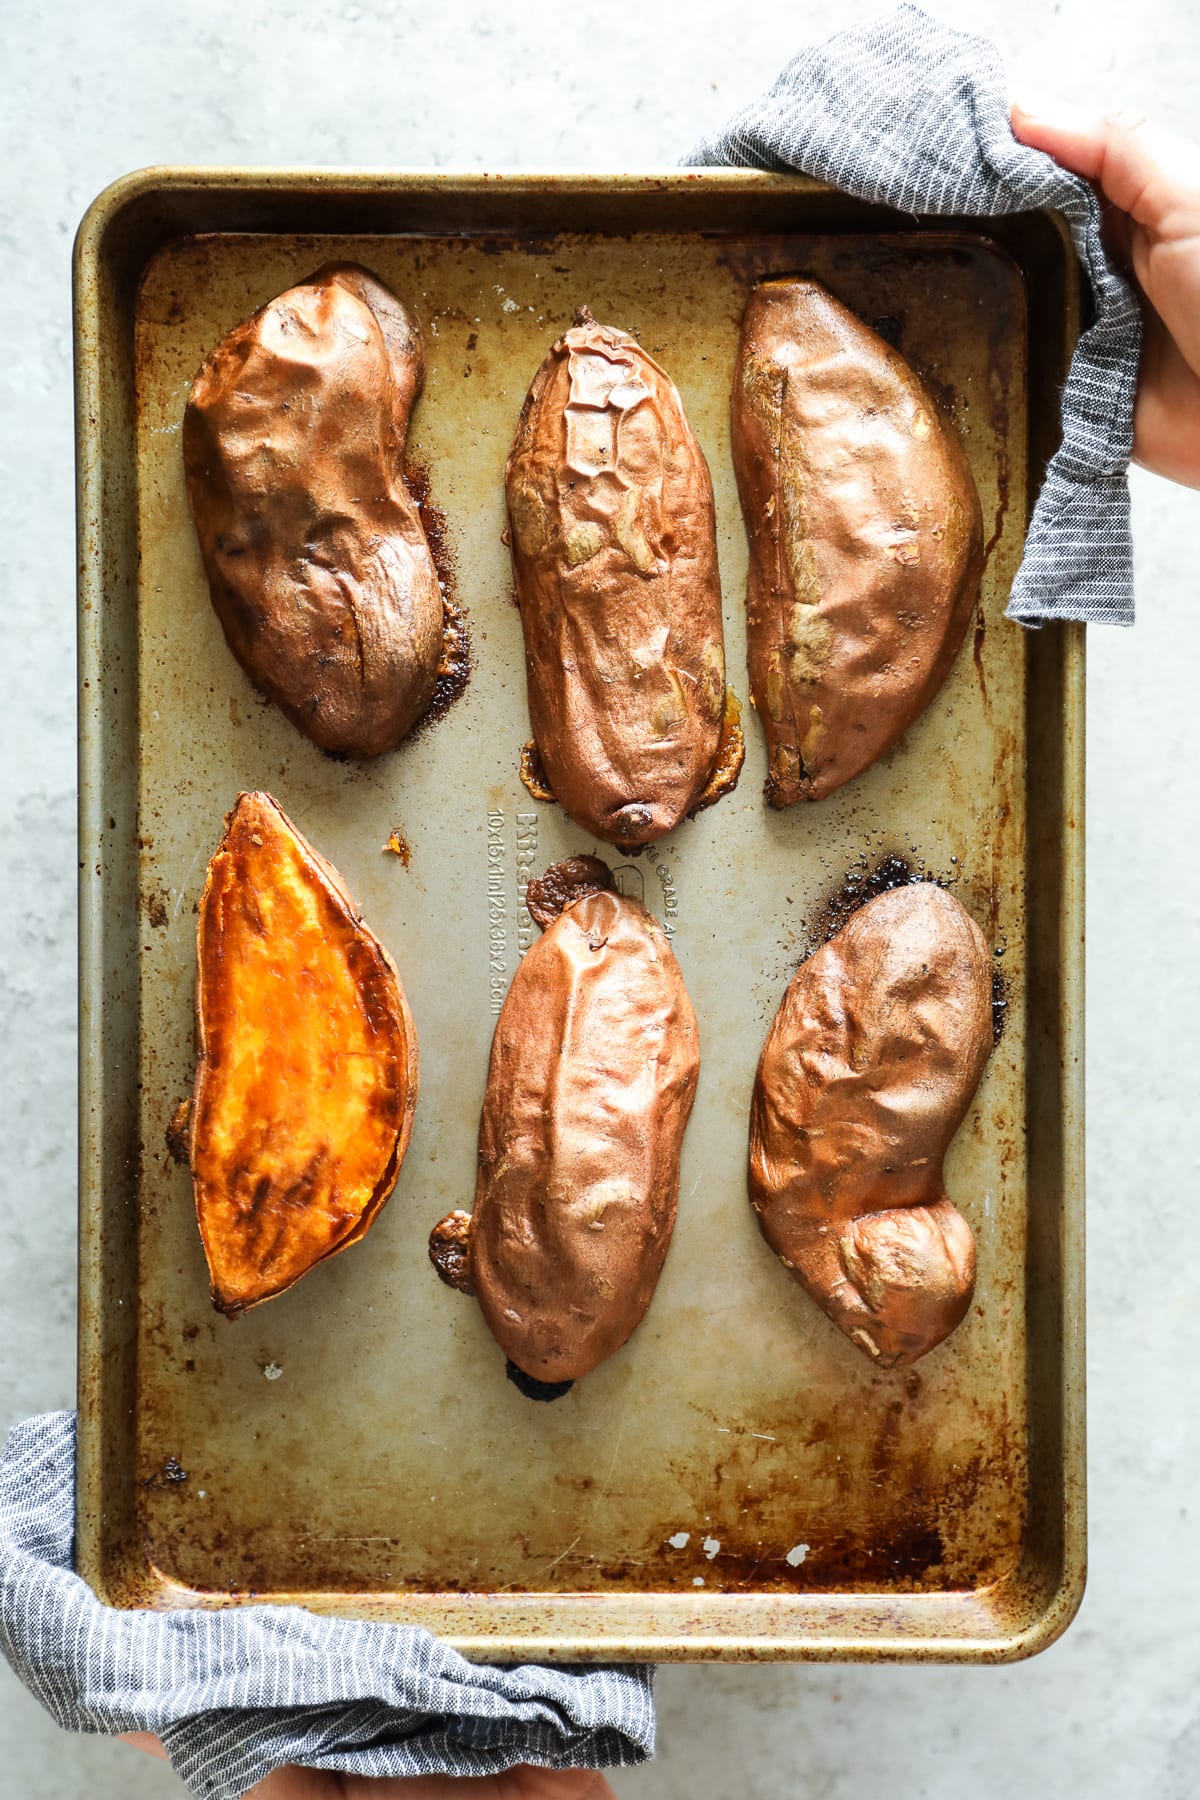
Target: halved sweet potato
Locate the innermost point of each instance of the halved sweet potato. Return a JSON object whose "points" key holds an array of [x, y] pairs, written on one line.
{"points": [[306, 1076]]}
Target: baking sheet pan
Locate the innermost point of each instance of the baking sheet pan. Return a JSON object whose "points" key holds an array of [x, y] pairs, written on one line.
{"points": [[738, 1481]]}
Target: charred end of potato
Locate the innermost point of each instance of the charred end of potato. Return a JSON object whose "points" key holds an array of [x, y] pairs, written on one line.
{"points": [[450, 1251], [787, 779], [563, 884], [533, 1389], [533, 773], [634, 825]]}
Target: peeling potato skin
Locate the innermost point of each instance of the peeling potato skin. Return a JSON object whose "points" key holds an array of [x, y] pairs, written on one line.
{"points": [[307, 1068], [614, 550], [317, 563], [593, 1072], [866, 537], [866, 1075]]}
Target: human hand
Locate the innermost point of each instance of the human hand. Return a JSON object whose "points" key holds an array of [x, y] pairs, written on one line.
{"points": [[1149, 180], [515, 1784]]}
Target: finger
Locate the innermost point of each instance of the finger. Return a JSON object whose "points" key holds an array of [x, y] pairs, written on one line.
{"points": [[521, 1783], [144, 1740], [295, 1783], [1166, 417], [558, 1784], [1151, 174], [1116, 229]]}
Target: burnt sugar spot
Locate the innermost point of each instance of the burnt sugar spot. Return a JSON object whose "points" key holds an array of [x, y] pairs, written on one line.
{"points": [[454, 669], [169, 1475], [862, 882], [178, 1133], [890, 327], [999, 1005]]}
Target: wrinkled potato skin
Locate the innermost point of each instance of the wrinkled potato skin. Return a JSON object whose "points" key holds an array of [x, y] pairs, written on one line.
{"points": [[866, 1075], [614, 549], [316, 559], [307, 1073], [592, 1077], [865, 537]]}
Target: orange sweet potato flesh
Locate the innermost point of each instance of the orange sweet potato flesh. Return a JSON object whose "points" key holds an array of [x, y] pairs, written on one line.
{"points": [[867, 1073], [307, 1074]]}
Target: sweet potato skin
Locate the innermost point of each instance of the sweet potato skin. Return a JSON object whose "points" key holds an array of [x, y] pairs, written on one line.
{"points": [[614, 549], [307, 1062], [317, 563], [866, 1074], [865, 537], [592, 1077]]}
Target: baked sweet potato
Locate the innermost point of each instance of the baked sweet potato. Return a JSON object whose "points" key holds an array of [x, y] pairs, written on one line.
{"points": [[306, 1074], [614, 550], [865, 537], [318, 566], [593, 1072], [866, 1075]]}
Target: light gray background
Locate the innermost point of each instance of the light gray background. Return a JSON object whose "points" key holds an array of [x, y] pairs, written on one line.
{"points": [[93, 91]]}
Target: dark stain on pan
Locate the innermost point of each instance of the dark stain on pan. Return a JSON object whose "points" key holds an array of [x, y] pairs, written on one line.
{"points": [[155, 906], [169, 1475], [897, 1520], [977, 643], [996, 311], [890, 328]]}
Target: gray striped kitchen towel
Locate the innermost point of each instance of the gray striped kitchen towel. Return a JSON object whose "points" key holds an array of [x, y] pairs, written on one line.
{"points": [[234, 1695], [907, 112]]}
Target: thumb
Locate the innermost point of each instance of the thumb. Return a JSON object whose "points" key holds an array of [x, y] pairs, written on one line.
{"points": [[1149, 173]]}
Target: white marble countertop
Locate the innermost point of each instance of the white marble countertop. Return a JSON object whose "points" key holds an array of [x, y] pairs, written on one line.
{"points": [[1113, 1710]]}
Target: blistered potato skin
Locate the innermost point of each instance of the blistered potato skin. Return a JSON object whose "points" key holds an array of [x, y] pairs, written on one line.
{"points": [[317, 563], [866, 1075], [307, 1064], [866, 537], [592, 1076], [614, 549]]}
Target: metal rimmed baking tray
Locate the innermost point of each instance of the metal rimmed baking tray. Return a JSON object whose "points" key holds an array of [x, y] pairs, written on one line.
{"points": [[737, 1482]]}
